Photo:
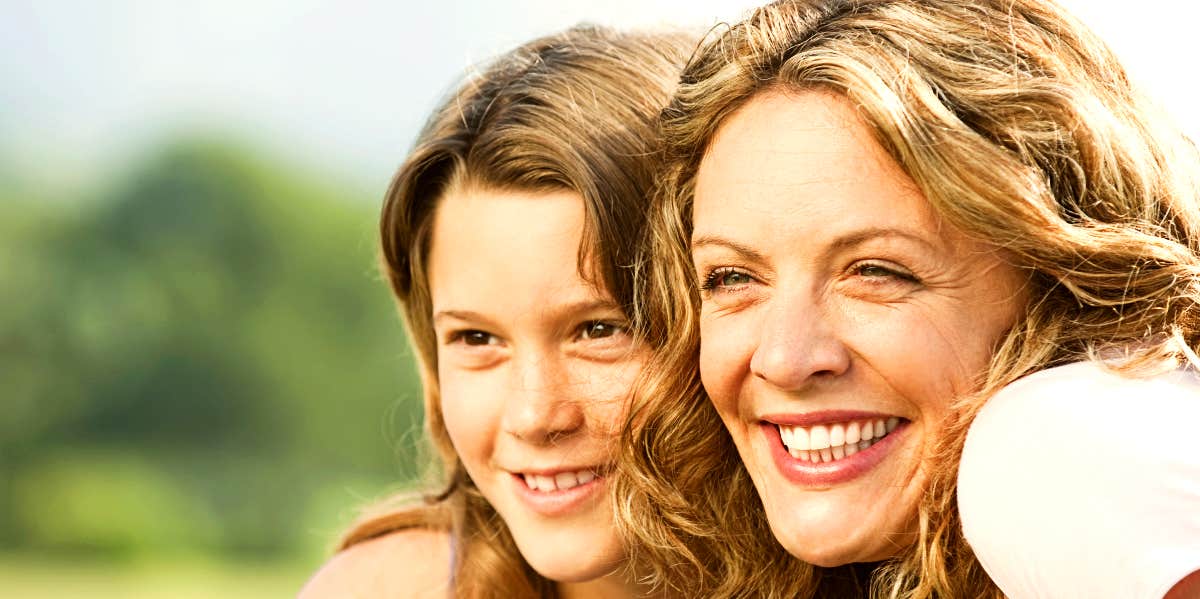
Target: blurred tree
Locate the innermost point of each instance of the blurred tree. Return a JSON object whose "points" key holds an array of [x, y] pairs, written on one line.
{"points": [[193, 359]]}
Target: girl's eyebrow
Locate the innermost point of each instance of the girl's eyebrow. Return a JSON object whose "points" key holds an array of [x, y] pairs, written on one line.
{"points": [[576, 307], [461, 315], [467, 315]]}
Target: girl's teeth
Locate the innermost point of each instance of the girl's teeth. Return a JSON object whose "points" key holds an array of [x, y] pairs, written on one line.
{"points": [[565, 480], [829, 442], [559, 482]]}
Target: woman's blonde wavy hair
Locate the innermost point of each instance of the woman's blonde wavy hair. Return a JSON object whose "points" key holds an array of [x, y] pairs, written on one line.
{"points": [[1021, 129], [574, 111]]}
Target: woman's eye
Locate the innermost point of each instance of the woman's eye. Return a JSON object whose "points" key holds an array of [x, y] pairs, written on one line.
{"points": [[725, 277], [874, 270], [598, 329], [878, 271]]}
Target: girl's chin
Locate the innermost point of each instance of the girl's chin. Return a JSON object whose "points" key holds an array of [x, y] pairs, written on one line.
{"points": [[576, 572], [572, 564]]}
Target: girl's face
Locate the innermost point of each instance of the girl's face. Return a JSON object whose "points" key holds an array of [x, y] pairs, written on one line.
{"points": [[534, 364], [840, 319]]}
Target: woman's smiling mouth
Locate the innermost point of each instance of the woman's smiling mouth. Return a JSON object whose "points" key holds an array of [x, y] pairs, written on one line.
{"points": [[830, 442], [828, 448]]}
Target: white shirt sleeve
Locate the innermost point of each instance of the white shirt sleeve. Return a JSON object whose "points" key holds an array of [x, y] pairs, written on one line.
{"points": [[1076, 482]]}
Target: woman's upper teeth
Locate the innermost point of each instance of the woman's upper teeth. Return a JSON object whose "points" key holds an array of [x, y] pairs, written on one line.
{"points": [[835, 434]]}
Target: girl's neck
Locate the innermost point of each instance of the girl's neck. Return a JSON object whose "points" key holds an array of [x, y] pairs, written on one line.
{"points": [[617, 585]]}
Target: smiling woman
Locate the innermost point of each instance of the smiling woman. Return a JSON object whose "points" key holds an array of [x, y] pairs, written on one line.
{"points": [[818, 277], [875, 216]]}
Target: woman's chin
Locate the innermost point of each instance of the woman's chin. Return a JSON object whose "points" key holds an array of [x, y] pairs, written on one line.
{"points": [[831, 554], [824, 559]]}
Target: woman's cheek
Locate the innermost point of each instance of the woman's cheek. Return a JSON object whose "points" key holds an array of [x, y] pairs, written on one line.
{"points": [[726, 346]]}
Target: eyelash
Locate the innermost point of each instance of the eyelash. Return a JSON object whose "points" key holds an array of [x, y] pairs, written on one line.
{"points": [[582, 332], [616, 327], [463, 335], [889, 271], [712, 279]]}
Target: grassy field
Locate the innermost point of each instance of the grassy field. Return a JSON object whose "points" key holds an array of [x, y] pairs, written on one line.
{"points": [[41, 578]]}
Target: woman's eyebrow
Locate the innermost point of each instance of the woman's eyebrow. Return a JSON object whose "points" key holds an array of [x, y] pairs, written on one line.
{"points": [[742, 250], [861, 236], [840, 243]]}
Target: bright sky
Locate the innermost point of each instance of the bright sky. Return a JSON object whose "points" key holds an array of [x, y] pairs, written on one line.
{"points": [[346, 84]]}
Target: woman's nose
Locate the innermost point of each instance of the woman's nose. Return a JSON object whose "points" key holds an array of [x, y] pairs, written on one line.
{"points": [[798, 345], [541, 406]]}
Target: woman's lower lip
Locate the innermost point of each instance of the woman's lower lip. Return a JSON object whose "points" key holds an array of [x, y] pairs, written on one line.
{"points": [[556, 503], [825, 474]]}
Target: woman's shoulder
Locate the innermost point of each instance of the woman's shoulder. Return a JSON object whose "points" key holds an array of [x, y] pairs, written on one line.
{"points": [[413, 562], [1085, 428], [1096, 378], [1088, 402], [1078, 475]]}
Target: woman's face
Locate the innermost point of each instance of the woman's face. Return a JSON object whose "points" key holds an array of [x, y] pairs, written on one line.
{"points": [[534, 364], [840, 318]]}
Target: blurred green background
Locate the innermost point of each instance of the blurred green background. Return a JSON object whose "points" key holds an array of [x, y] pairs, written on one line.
{"points": [[203, 375]]}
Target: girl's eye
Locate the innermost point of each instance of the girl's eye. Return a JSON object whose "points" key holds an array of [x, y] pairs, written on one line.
{"points": [[474, 337], [599, 329], [725, 277]]}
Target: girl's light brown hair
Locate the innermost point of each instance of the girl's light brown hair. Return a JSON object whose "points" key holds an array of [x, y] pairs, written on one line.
{"points": [[1022, 130], [574, 111]]}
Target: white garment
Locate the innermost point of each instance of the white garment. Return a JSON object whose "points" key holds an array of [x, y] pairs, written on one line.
{"points": [[1076, 482]]}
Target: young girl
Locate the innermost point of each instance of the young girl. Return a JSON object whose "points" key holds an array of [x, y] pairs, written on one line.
{"points": [[508, 239]]}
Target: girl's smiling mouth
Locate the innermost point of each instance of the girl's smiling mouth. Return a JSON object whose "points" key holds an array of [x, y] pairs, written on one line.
{"points": [[557, 493]]}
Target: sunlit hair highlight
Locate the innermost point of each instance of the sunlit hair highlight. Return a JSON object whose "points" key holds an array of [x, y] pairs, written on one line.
{"points": [[574, 111], [1021, 129]]}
